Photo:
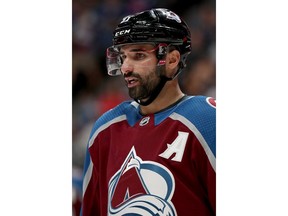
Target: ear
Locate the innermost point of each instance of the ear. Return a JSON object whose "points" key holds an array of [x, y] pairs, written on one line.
{"points": [[172, 61]]}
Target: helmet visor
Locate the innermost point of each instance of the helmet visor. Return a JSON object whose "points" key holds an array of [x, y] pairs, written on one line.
{"points": [[114, 60]]}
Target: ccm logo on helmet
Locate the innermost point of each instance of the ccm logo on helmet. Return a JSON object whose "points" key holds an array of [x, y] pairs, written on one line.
{"points": [[123, 32]]}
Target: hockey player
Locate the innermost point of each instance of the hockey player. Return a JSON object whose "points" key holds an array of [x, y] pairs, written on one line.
{"points": [[156, 154]]}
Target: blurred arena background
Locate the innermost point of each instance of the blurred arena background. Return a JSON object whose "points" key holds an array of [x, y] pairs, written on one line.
{"points": [[93, 92]]}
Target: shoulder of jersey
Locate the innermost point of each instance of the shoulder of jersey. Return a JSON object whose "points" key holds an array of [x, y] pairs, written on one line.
{"points": [[197, 104], [120, 111], [197, 109], [200, 111]]}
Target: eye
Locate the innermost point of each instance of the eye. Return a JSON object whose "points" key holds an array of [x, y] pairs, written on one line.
{"points": [[122, 57], [139, 56]]}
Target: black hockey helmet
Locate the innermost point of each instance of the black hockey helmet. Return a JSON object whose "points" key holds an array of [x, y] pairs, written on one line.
{"points": [[156, 26]]}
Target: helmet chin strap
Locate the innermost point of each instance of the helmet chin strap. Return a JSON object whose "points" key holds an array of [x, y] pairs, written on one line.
{"points": [[155, 92], [158, 88]]}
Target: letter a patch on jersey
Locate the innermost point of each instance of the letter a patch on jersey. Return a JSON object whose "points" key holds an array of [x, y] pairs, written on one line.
{"points": [[177, 147]]}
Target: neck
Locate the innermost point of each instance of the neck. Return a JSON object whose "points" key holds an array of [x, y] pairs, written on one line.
{"points": [[169, 94]]}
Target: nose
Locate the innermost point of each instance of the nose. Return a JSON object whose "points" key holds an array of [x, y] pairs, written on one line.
{"points": [[126, 67]]}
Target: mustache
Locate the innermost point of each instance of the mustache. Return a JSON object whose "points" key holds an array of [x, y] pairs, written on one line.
{"points": [[132, 74]]}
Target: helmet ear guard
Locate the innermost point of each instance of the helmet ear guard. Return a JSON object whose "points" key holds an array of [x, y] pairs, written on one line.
{"points": [[162, 51]]}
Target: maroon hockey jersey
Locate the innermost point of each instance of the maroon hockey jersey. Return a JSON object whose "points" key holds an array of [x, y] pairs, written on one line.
{"points": [[158, 164]]}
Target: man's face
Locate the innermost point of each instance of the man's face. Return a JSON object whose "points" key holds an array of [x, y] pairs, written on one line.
{"points": [[139, 69]]}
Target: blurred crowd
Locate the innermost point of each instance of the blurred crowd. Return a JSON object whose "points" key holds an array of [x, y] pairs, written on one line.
{"points": [[93, 92]]}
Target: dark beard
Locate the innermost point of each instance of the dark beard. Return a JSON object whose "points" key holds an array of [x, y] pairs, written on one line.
{"points": [[146, 87]]}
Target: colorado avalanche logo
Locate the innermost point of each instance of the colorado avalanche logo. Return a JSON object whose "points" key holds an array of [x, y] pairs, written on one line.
{"points": [[141, 188]]}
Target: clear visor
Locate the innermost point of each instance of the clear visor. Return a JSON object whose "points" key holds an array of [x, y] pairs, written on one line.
{"points": [[114, 59]]}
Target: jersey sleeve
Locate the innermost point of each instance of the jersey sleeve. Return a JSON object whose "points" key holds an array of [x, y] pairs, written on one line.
{"points": [[90, 199], [199, 115], [206, 174], [205, 151]]}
